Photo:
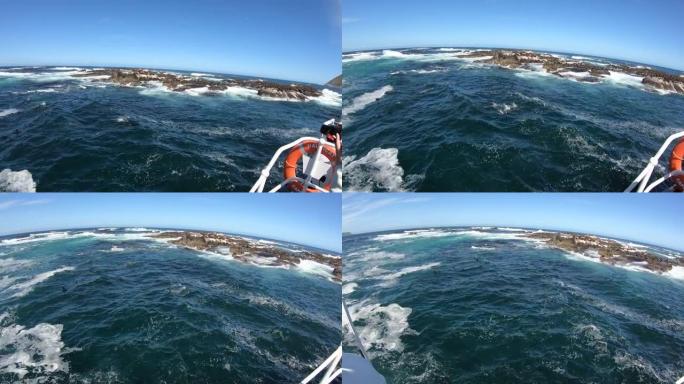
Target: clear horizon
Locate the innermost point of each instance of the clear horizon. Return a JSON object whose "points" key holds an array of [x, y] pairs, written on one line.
{"points": [[631, 30], [646, 219], [298, 41], [267, 216]]}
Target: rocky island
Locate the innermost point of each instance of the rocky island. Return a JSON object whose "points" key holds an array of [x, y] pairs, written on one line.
{"points": [[206, 83], [250, 251], [608, 251], [579, 70]]}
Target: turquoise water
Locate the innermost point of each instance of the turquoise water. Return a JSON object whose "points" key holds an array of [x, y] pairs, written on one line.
{"points": [[424, 120], [77, 135], [113, 306], [469, 305]]}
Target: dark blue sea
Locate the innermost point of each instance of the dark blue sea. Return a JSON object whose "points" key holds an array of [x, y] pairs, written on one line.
{"points": [[429, 120], [489, 305], [117, 306], [61, 133]]}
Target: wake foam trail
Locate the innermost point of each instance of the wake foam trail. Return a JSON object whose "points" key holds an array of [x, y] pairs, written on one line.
{"points": [[16, 181], [9, 111], [36, 350], [379, 169], [361, 102], [384, 325]]}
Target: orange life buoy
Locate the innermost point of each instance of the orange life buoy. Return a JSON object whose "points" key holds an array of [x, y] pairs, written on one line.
{"points": [[676, 159], [309, 147]]}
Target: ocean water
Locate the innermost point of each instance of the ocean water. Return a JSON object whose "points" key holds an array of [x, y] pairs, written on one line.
{"points": [[70, 134], [474, 305], [114, 306], [427, 120]]}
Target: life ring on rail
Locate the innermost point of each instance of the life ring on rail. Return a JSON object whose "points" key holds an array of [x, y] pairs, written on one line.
{"points": [[308, 147], [676, 160]]}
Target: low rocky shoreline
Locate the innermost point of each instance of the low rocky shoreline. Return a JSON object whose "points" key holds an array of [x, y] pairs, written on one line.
{"points": [[577, 69], [180, 83], [608, 251], [248, 251]]}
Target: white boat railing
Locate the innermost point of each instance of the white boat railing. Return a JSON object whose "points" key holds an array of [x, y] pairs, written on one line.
{"points": [[307, 183], [331, 368], [641, 183], [347, 320]]}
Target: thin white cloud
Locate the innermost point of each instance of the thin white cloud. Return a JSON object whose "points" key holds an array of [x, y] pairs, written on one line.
{"points": [[349, 20], [7, 204], [357, 205]]}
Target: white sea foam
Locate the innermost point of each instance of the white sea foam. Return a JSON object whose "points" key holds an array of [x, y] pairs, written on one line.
{"points": [[361, 102], [9, 111], [378, 169], [197, 91], [379, 256], [413, 234], [37, 350], [25, 287], [676, 273], [349, 288], [114, 248], [620, 78], [5, 282], [328, 97], [155, 88], [383, 325], [11, 264], [360, 56], [504, 108], [313, 267], [67, 68], [45, 90], [392, 278], [241, 92], [482, 248], [16, 181], [41, 76]]}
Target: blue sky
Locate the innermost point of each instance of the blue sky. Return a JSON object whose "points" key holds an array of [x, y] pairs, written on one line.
{"points": [[292, 40], [308, 219], [648, 218], [647, 31]]}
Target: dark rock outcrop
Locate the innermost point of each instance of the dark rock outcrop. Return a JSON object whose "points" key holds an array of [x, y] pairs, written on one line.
{"points": [[180, 83], [245, 250], [336, 82], [607, 250], [571, 68]]}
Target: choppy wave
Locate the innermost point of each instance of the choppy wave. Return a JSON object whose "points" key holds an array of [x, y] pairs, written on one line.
{"points": [[7, 112], [25, 287], [379, 169], [361, 102]]}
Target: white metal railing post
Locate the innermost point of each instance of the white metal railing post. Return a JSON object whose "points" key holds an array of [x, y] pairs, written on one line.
{"points": [[346, 317], [642, 181], [331, 363]]}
